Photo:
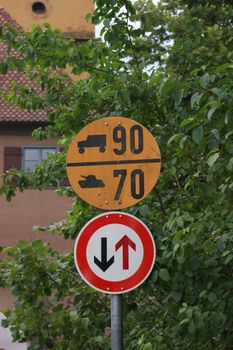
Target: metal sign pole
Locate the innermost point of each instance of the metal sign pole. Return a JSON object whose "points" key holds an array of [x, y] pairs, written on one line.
{"points": [[116, 322]]}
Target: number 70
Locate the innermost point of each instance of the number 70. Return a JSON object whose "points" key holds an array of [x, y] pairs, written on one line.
{"points": [[137, 183]]}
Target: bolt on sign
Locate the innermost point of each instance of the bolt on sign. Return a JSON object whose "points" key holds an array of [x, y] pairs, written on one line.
{"points": [[113, 163]]}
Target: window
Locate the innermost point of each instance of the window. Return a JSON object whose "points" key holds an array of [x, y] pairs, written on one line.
{"points": [[32, 156], [28, 157], [38, 7]]}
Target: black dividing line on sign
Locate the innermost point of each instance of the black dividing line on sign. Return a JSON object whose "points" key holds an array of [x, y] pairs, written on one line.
{"points": [[112, 162]]}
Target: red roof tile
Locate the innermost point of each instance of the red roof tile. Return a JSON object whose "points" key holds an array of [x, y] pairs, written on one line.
{"points": [[6, 18], [9, 112]]}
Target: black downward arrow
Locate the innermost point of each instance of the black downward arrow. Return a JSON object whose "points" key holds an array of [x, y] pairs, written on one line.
{"points": [[104, 264]]}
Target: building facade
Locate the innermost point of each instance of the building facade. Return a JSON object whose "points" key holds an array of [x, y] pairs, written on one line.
{"points": [[17, 147], [69, 15]]}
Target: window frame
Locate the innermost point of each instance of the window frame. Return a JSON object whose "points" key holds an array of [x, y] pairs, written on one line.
{"points": [[23, 148]]}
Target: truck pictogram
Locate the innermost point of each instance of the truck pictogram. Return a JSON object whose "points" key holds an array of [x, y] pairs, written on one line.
{"points": [[93, 141]]}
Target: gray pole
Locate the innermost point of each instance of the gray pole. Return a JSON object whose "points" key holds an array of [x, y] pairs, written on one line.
{"points": [[116, 322]]}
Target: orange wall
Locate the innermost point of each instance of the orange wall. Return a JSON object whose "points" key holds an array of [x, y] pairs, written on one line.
{"points": [[67, 15], [32, 208], [29, 208]]}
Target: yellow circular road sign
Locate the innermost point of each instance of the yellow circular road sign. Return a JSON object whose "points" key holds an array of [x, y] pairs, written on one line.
{"points": [[113, 163]]}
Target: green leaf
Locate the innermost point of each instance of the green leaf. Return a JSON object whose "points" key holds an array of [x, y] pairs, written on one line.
{"points": [[191, 327], [154, 276], [38, 244], [144, 210], [10, 250], [186, 121], [226, 252], [197, 134], [195, 99], [74, 316], [22, 244], [6, 312], [164, 274], [205, 80], [211, 297], [176, 295], [212, 159], [147, 346], [191, 238], [228, 259], [177, 95], [214, 106], [166, 86], [5, 323], [85, 321], [215, 133], [184, 321], [175, 137], [3, 67], [53, 267], [125, 95]]}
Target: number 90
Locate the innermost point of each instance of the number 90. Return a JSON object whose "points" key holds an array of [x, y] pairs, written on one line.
{"points": [[136, 139]]}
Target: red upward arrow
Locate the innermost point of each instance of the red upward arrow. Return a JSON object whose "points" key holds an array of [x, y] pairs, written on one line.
{"points": [[125, 242]]}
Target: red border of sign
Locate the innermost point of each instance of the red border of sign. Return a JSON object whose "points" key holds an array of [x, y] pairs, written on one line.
{"points": [[122, 286]]}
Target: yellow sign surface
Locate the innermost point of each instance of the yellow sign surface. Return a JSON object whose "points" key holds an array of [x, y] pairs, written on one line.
{"points": [[113, 163]]}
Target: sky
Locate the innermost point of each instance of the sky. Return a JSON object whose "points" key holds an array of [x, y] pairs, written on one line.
{"points": [[99, 27]]}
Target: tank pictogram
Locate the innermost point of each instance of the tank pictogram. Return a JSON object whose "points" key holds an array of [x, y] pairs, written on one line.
{"points": [[91, 182]]}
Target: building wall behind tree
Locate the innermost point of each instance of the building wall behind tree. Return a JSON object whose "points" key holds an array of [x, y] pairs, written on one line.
{"points": [[67, 15], [30, 207], [33, 207]]}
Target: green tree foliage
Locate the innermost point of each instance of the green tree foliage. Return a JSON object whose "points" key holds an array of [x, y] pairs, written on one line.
{"points": [[173, 72]]}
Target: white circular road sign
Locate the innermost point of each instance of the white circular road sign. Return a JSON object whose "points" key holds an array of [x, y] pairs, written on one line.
{"points": [[114, 252]]}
